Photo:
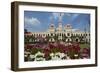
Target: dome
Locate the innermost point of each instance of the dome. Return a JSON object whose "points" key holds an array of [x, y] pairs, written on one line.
{"points": [[52, 25], [68, 26], [51, 28]]}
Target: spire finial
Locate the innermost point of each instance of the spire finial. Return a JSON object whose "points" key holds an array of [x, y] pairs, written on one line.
{"points": [[60, 17]]}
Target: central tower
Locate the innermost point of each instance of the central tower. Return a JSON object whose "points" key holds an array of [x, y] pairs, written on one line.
{"points": [[60, 23]]}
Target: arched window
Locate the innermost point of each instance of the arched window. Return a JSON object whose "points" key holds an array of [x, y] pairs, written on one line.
{"points": [[68, 34], [51, 34], [71, 34], [76, 40], [89, 34], [39, 34], [60, 34]]}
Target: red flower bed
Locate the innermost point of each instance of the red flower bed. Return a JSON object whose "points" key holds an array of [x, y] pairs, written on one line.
{"points": [[74, 51]]}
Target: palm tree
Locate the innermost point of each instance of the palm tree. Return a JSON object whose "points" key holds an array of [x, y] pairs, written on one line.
{"points": [[32, 39], [64, 38], [55, 37], [73, 38], [26, 39], [47, 38]]}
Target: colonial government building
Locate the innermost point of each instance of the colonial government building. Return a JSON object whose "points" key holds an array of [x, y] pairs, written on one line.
{"points": [[63, 32]]}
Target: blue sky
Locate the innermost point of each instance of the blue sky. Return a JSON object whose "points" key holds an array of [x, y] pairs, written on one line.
{"points": [[35, 21]]}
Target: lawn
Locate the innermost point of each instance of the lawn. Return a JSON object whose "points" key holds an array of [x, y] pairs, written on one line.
{"points": [[85, 45]]}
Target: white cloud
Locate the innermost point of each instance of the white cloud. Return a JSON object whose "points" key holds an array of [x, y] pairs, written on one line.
{"points": [[75, 30], [56, 15], [73, 16], [32, 21]]}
